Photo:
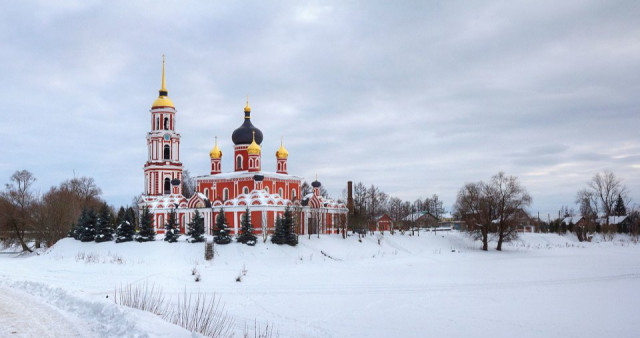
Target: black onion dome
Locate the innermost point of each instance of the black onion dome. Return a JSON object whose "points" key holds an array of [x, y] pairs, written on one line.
{"points": [[315, 184], [244, 133]]}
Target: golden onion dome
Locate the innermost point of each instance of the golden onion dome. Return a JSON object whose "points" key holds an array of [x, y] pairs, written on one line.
{"points": [[253, 148], [163, 99], [215, 153], [282, 153]]}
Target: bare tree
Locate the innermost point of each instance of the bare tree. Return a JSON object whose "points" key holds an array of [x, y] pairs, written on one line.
{"points": [[359, 218], [54, 214], [475, 208], [188, 184], [375, 198], [588, 206], [305, 189], [435, 206], [85, 189], [495, 206], [511, 200], [606, 188], [16, 206], [395, 209]]}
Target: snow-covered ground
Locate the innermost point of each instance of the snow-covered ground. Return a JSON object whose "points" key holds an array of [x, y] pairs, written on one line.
{"points": [[385, 286]]}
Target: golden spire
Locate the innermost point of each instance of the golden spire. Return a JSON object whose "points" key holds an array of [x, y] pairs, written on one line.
{"points": [[282, 153], [164, 83], [247, 108], [253, 148], [215, 153], [163, 98]]}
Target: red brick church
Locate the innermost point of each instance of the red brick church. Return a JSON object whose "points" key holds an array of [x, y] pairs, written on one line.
{"points": [[266, 194]]}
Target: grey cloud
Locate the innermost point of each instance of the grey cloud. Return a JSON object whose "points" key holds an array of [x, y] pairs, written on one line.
{"points": [[416, 97]]}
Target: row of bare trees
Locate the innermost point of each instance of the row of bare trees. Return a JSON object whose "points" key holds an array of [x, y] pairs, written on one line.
{"points": [[25, 216], [604, 196], [497, 207], [371, 202]]}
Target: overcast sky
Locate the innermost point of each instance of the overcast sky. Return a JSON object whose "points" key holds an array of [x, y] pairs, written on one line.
{"points": [[417, 98]]}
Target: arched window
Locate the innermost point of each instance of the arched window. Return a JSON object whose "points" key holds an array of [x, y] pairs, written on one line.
{"points": [[257, 164], [206, 193], [166, 123], [245, 190], [225, 194], [167, 186], [266, 189], [167, 152], [280, 193], [293, 194], [238, 162], [157, 123]]}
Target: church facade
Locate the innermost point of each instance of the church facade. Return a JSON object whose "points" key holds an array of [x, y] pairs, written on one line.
{"points": [[265, 194]]}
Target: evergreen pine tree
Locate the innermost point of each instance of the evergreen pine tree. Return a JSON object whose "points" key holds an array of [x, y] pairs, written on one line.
{"points": [[246, 231], [125, 232], [196, 228], [146, 232], [172, 233], [120, 217], [104, 230], [76, 231], [279, 235], [288, 225], [284, 230], [88, 224], [619, 209], [222, 231], [130, 215]]}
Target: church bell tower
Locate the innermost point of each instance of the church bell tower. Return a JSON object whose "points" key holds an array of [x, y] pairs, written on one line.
{"points": [[163, 170]]}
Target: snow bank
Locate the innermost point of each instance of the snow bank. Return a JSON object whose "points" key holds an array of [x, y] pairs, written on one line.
{"points": [[96, 318]]}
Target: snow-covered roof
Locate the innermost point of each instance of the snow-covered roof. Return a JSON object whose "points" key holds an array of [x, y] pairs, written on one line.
{"points": [[257, 198], [571, 220], [414, 216], [612, 219], [446, 215], [247, 174], [163, 201]]}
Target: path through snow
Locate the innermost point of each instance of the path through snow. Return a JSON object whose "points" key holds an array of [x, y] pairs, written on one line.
{"points": [[23, 315]]}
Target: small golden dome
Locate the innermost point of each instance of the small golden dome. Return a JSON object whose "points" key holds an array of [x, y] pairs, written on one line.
{"points": [[163, 99], [282, 153], [253, 148], [247, 108], [215, 153]]}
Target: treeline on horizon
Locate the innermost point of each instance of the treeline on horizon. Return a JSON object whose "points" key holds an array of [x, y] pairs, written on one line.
{"points": [[496, 207]]}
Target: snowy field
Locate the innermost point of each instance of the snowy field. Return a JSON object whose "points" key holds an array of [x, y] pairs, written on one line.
{"points": [[432, 285]]}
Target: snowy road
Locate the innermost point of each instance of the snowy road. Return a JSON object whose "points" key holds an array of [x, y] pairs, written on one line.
{"points": [[23, 315]]}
